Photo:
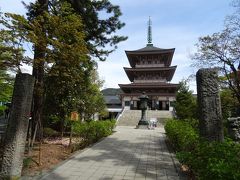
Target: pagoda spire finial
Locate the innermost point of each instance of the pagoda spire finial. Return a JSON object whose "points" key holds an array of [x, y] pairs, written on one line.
{"points": [[149, 38]]}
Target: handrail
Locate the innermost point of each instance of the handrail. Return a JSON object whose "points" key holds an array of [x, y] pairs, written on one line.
{"points": [[120, 114]]}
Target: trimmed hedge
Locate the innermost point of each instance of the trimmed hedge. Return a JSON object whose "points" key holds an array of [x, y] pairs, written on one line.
{"points": [[93, 131], [207, 160]]}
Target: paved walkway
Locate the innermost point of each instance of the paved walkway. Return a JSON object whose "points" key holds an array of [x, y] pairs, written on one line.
{"points": [[127, 154]]}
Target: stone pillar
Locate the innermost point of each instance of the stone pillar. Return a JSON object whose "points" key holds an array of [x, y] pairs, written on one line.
{"points": [[234, 128], [16, 133], [210, 122]]}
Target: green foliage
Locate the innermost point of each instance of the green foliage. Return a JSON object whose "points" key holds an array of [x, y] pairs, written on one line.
{"points": [[92, 100], [92, 131], [228, 103], [27, 162], [6, 86], [217, 161], [186, 105], [12, 37], [100, 31], [48, 132], [181, 134], [207, 160], [2, 108]]}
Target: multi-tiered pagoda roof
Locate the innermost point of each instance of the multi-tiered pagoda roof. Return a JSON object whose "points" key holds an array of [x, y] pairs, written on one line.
{"points": [[150, 70]]}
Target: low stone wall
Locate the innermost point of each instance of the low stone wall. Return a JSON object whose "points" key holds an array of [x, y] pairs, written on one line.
{"points": [[234, 128]]}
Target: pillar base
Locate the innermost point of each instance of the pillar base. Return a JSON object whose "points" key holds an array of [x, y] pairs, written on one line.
{"points": [[143, 125]]}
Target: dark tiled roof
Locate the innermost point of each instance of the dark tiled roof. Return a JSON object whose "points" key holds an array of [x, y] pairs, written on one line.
{"points": [[151, 48]]}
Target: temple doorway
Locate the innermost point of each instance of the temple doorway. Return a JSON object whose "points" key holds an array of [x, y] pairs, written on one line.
{"points": [[163, 105]]}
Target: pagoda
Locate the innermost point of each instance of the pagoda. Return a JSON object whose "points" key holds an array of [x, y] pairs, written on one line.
{"points": [[151, 73]]}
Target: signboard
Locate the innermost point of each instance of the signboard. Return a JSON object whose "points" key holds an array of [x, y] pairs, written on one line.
{"points": [[74, 116]]}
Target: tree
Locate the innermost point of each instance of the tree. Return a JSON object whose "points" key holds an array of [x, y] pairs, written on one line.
{"points": [[221, 50], [228, 103], [100, 31], [91, 98], [65, 52], [12, 38], [98, 34], [186, 105], [6, 86]]}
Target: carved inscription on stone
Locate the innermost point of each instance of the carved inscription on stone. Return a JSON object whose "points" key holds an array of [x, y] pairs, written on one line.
{"points": [[210, 115]]}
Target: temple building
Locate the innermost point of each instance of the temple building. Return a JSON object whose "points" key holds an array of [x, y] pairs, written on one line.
{"points": [[150, 72]]}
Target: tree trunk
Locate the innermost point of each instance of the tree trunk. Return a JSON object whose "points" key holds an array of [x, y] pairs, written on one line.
{"points": [[38, 71], [16, 133]]}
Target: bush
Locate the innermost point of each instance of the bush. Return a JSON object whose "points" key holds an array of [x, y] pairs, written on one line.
{"points": [[181, 134], [2, 108], [207, 160], [214, 160], [92, 131], [48, 132], [27, 162]]}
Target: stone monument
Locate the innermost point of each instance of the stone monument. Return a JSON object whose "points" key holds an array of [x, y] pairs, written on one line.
{"points": [[210, 120], [143, 123], [15, 138]]}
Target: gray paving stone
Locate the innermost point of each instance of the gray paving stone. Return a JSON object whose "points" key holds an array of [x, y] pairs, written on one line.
{"points": [[127, 154], [117, 177]]}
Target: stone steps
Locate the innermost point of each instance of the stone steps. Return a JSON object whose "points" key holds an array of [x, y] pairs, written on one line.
{"points": [[131, 117]]}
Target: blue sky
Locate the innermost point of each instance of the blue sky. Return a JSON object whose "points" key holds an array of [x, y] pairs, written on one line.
{"points": [[175, 24]]}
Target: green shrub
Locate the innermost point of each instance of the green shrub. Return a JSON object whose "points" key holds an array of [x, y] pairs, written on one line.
{"points": [[207, 160], [92, 131], [181, 134], [214, 160], [27, 161], [2, 108], [48, 132]]}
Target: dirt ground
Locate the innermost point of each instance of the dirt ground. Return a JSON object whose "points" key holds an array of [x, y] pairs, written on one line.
{"points": [[52, 153]]}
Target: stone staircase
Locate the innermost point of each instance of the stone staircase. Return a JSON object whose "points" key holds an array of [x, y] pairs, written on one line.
{"points": [[131, 117]]}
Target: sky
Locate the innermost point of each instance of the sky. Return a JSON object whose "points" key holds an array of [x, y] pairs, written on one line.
{"points": [[175, 24]]}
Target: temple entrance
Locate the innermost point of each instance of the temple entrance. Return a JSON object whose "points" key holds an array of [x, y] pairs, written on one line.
{"points": [[160, 107], [134, 105], [163, 105], [152, 105]]}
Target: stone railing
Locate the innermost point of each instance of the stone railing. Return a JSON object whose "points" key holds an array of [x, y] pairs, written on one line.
{"points": [[234, 128]]}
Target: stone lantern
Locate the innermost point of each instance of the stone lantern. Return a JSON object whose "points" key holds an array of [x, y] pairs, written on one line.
{"points": [[143, 123]]}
